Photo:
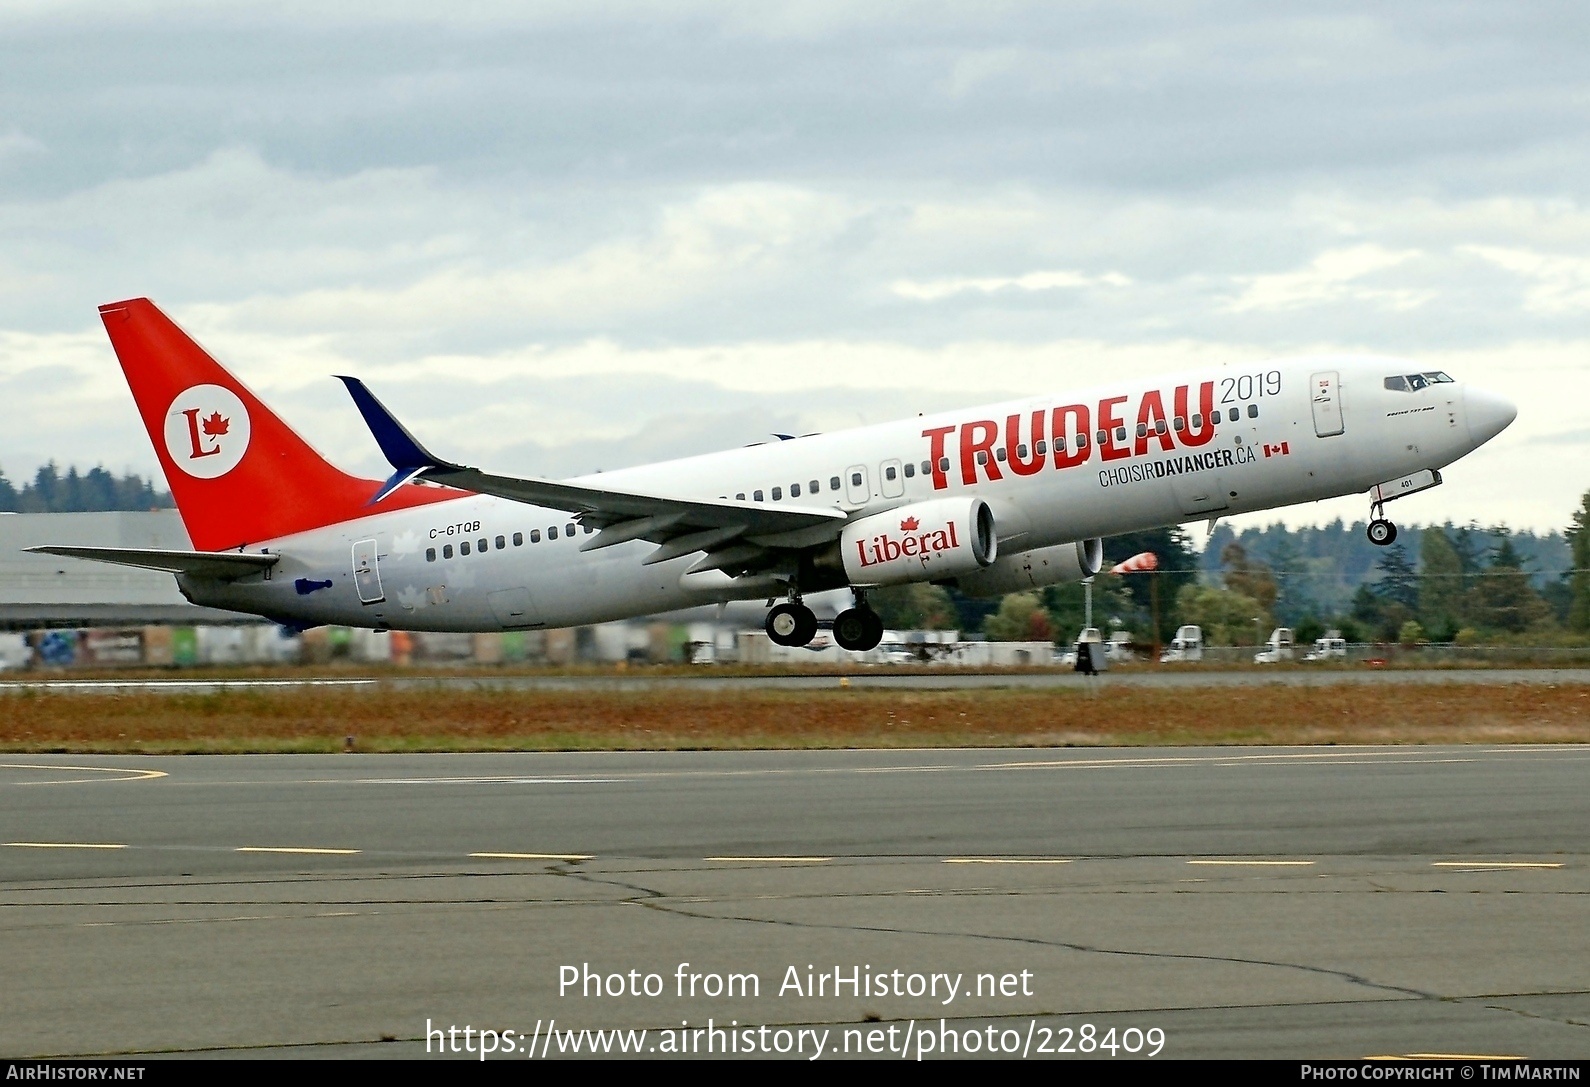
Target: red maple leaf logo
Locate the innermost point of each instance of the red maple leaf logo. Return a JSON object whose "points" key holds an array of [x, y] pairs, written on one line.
{"points": [[909, 524], [215, 425]]}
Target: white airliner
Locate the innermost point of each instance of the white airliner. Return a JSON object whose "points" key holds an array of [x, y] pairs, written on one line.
{"points": [[991, 499]]}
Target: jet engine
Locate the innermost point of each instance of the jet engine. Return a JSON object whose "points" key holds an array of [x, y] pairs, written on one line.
{"points": [[1034, 569], [925, 541]]}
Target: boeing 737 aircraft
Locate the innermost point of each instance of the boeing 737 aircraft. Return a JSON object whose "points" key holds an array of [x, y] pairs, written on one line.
{"points": [[992, 499]]}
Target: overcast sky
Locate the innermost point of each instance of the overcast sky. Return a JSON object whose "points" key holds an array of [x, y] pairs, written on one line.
{"points": [[560, 237]]}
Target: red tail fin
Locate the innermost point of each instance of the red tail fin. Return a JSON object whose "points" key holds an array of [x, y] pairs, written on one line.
{"points": [[239, 474]]}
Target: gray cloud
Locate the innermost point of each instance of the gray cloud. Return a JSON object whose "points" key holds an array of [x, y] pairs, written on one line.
{"points": [[934, 194]]}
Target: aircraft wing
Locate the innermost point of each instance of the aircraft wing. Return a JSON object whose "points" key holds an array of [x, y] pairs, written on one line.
{"points": [[736, 533], [220, 565]]}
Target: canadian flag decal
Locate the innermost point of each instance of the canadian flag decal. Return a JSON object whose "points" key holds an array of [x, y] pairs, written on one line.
{"points": [[1281, 450]]}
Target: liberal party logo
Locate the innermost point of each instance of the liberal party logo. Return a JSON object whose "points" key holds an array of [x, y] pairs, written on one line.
{"points": [[207, 431]]}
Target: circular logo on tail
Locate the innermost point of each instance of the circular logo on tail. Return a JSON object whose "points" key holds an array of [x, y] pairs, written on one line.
{"points": [[207, 431]]}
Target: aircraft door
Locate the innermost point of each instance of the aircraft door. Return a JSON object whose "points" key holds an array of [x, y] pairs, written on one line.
{"points": [[367, 572], [857, 490], [1326, 395], [890, 479]]}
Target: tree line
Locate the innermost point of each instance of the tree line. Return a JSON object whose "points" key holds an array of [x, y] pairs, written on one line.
{"points": [[1440, 583], [96, 490]]}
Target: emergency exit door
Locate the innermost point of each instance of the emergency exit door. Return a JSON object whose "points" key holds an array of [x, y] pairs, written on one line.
{"points": [[367, 573]]}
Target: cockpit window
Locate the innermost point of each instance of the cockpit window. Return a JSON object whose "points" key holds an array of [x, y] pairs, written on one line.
{"points": [[1412, 383]]}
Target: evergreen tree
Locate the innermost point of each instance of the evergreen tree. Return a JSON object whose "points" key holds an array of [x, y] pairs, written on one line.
{"points": [[1579, 576], [1440, 585], [1399, 582], [1178, 566], [1249, 578], [1503, 598]]}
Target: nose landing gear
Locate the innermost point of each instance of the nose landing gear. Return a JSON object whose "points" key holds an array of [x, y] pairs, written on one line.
{"points": [[1381, 532]]}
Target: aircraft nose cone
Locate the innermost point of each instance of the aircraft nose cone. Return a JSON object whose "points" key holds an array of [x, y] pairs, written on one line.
{"points": [[1488, 414]]}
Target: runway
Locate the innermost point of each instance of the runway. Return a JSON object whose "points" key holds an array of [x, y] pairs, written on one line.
{"points": [[908, 678], [1327, 902]]}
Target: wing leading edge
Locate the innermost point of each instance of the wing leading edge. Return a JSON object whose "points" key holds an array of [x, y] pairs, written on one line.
{"points": [[733, 534]]}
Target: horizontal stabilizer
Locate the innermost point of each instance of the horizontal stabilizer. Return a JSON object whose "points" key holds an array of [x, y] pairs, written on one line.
{"points": [[219, 565]]}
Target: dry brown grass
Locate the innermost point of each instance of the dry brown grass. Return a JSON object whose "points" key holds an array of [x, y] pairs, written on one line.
{"points": [[384, 719]]}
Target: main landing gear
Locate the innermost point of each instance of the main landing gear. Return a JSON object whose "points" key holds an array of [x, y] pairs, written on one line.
{"points": [[858, 628], [791, 623], [1381, 532]]}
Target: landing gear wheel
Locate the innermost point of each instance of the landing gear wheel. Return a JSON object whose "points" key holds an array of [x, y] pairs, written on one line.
{"points": [[858, 629], [791, 624], [1381, 532]]}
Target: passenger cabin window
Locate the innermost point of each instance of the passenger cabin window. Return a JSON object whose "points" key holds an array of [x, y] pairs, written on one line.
{"points": [[1179, 423], [1082, 442], [587, 529], [535, 535], [568, 530], [1120, 432], [740, 497], [816, 486], [889, 473], [1253, 411], [756, 496], [463, 548], [794, 490], [1021, 452], [778, 494], [944, 464], [552, 533], [1142, 430], [927, 467], [484, 546], [833, 483], [430, 554], [1233, 415], [910, 470], [982, 456], [855, 479], [518, 539], [447, 551]]}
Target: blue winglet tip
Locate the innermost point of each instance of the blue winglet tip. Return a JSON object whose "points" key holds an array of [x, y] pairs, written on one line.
{"points": [[400, 448]]}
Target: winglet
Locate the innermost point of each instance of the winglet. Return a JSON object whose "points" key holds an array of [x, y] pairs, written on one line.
{"points": [[402, 450]]}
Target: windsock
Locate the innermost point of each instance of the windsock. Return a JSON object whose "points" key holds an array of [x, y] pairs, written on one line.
{"points": [[1138, 564]]}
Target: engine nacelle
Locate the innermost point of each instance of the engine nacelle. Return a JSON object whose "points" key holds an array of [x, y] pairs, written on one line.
{"points": [[925, 541], [1034, 569]]}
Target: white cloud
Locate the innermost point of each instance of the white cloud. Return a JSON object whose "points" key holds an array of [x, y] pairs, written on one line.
{"points": [[1560, 284], [934, 289], [1332, 276]]}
